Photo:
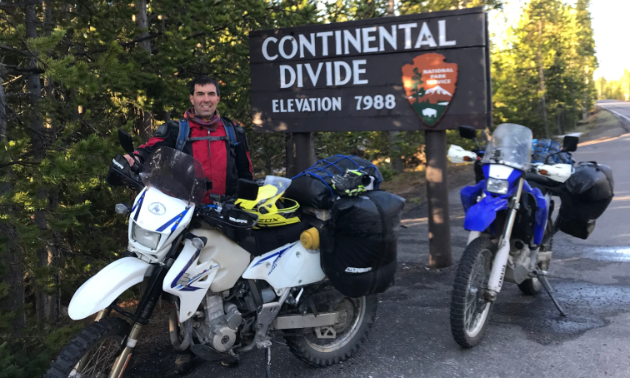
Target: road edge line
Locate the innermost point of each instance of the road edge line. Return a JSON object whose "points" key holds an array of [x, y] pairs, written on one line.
{"points": [[623, 125]]}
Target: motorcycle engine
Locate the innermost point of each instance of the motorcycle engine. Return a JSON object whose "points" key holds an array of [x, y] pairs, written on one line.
{"points": [[519, 261], [220, 324]]}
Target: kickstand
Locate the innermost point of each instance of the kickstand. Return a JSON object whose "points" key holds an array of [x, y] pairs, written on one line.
{"points": [[268, 367], [543, 280]]}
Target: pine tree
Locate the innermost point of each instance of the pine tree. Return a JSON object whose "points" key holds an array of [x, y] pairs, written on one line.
{"points": [[543, 78]]}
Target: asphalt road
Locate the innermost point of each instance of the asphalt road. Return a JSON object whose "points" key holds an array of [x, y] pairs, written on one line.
{"points": [[621, 109], [526, 336]]}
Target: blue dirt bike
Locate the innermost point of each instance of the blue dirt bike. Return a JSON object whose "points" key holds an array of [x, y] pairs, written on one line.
{"points": [[508, 214]]}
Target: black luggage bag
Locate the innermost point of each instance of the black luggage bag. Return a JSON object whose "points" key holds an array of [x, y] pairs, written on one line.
{"points": [[358, 244], [313, 187], [585, 197]]}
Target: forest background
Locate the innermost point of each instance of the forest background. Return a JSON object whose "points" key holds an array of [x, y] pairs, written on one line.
{"points": [[73, 72]]}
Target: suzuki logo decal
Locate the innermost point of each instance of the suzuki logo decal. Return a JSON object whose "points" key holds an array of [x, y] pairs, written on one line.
{"points": [[157, 208]]}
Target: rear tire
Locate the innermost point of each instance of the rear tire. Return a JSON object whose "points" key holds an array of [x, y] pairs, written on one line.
{"points": [[351, 332], [93, 351], [470, 312]]}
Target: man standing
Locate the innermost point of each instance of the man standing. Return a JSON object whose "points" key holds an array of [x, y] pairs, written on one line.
{"points": [[217, 142]]}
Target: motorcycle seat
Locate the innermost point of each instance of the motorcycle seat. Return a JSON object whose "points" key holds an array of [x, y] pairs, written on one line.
{"points": [[264, 240]]}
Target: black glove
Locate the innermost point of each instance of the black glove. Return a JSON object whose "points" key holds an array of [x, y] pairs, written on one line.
{"points": [[352, 183]]}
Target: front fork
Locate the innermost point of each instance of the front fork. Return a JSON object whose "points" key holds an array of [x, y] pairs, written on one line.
{"points": [[499, 264], [144, 311]]}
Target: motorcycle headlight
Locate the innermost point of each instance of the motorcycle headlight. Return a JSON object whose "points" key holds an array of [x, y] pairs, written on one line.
{"points": [[497, 186], [149, 239]]}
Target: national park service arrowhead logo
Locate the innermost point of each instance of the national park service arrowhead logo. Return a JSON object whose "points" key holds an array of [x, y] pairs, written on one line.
{"points": [[430, 85]]}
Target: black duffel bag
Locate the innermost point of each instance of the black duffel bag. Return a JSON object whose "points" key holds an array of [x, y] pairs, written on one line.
{"points": [[313, 187], [585, 197], [358, 244]]}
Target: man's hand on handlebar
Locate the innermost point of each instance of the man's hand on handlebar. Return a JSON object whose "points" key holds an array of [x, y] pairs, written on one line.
{"points": [[130, 160]]}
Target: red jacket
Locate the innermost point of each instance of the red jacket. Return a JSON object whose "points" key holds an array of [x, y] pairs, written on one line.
{"points": [[220, 165]]}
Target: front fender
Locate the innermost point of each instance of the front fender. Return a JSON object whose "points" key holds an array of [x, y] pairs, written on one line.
{"points": [[100, 291], [481, 215]]}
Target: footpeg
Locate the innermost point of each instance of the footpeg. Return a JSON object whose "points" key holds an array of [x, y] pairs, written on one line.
{"points": [[543, 280]]}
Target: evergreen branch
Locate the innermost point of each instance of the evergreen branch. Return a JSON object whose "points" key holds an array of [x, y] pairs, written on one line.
{"points": [[9, 95], [5, 47], [22, 38], [5, 5], [122, 44], [20, 69], [19, 162]]}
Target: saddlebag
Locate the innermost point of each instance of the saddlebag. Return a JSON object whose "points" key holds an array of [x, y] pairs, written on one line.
{"points": [[313, 187], [585, 197], [358, 244]]}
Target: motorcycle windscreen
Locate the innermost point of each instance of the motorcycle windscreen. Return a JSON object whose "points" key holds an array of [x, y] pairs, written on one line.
{"points": [[175, 174], [481, 215], [511, 145]]}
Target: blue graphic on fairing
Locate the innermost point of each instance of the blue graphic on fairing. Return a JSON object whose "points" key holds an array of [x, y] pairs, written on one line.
{"points": [[174, 221], [186, 287], [138, 205], [277, 255], [481, 215], [541, 212]]}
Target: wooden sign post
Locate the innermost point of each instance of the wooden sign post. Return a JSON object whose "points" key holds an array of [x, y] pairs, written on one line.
{"points": [[426, 71]]}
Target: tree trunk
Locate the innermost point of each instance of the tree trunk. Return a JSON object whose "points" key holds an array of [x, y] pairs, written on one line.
{"points": [[36, 129], [395, 156], [48, 82], [13, 276], [541, 76], [3, 109], [585, 108], [142, 22], [13, 268], [45, 304]]}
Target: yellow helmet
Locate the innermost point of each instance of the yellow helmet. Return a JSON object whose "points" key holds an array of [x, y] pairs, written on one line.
{"points": [[272, 209]]}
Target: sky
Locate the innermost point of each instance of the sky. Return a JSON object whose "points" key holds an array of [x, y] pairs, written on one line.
{"points": [[611, 24]]}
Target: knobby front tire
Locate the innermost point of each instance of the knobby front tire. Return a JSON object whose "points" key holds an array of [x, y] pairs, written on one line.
{"points": [[470, 311], [92, 352]]}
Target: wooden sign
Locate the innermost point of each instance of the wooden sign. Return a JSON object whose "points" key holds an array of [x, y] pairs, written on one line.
{"points": [[422, 71]]}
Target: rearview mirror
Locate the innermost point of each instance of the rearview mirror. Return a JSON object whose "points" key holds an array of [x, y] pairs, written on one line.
{"points": [[125, 141], [570, 143], [467, 132], [247, 190]]}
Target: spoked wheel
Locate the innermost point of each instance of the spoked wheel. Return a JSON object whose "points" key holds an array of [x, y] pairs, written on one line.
{"points": [[325, 346], [93, 352], [470, 311]]}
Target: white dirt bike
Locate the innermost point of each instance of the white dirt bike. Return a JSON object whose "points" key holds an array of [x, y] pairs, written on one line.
{"points": [[225, 302]]}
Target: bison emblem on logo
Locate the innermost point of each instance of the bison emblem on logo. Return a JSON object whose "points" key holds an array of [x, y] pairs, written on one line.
{"points": [[430, 85]]}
